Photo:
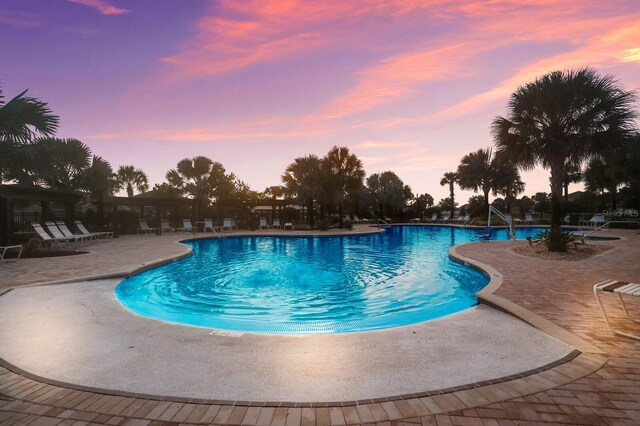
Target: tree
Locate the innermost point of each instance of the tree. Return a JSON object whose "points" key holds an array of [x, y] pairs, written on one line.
{"points": [[98, 180], [447, 204], [22, 120], [388, 192], [478, 171], [344, 176], [302, 180], [450, 178], [128, 178], [572, 174], [68, 161], [562, 119], [477, 206], [202, 179], [421, 202], [507, 183]]}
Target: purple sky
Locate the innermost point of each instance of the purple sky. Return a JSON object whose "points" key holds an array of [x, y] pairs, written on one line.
{"points": [[408, 85]]}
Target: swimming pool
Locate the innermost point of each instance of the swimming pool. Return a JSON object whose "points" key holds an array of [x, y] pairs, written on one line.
{"points": [[296, 285]]}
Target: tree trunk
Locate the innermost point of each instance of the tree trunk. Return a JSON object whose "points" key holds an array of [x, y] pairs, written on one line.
{"points": [[310, 214], [453, 200], [555, 243], [340, 214], [486, 202]]}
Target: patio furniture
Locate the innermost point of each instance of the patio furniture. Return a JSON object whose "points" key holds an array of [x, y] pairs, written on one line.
{"points": [[144, 227], [4, 250], [596, 220], [415, 220], [528, 217], [620, 288], [288, 226], [208, 224], [164, 226], [188, 226], [445, 218], [46, 239], [434, 218], [263, 223], [102, 234], [228, 223], [67, 232], [276, 223], [56, 233]]}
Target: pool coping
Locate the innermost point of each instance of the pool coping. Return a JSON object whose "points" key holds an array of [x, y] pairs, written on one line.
{"points": [[582, 361]]}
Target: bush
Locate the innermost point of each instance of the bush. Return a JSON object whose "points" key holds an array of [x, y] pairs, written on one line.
{"points": [[347, 224], [557, 242], [323, 224]]}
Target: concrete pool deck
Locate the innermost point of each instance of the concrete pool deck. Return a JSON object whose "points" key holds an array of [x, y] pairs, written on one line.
{"points": [[556, 293]]}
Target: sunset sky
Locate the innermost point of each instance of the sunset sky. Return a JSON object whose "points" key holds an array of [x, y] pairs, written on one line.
{"points": [[408, 85]]}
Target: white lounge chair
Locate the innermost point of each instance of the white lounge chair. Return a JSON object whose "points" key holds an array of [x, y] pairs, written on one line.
{"points": [[357, 220], [5, 249], [164, 226], [620, 288], [144, 227], [528, 218], [414, 220], [187, 226], [67, 232], [596, 220], [464, 219], [445, 218], [263, 223], [85, 231], [227, 223], [434, 218], [46, 239], [276, 223], [208, 224], [56, 233]]}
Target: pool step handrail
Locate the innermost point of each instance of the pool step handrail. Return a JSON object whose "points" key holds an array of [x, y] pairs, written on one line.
{"points": [[507, 220], [383, 223], [606, 224]]}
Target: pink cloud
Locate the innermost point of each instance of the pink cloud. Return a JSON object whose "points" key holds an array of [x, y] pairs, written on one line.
{"points": [[20, 19], [102, 6]]}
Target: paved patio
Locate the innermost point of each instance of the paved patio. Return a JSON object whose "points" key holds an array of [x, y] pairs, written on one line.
{"points": [[557, 296]]}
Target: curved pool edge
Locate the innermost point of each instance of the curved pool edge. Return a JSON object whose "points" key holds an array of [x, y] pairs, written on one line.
{"points": [[488, 297]]}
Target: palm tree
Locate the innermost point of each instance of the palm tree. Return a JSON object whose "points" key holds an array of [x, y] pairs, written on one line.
{"points": [[22, 120], [508, 183], [344, 176], [302, 180], [388, 192], [128, 177], [450, 178], [98, 179], [478, 171], [562, 119], [202, 179], [68, 160]]}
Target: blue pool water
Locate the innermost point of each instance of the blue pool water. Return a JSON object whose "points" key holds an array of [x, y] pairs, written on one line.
{"points": [[313, 285]]}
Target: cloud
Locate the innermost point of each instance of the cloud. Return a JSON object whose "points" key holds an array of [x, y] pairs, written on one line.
{"points": [[20, 19], [385, 144], [102, 6]]}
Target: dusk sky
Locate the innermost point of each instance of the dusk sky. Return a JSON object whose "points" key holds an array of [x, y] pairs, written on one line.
{"points": [[408, 85]]}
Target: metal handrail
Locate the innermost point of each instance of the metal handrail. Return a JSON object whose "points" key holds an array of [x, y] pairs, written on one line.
{"points": [[508, 223], [384, 222], [584, 236]]}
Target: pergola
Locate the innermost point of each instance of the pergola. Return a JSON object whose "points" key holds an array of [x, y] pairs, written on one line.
{"points": [[11, 193]]}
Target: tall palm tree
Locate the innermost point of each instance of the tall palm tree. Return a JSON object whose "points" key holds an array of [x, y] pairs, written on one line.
{"points": [[68, 160], [302, 180], [202, 179], [478, 171], [508, 183], [22, 120], [128, 177], [98, 179], [344, 176], [561, 119], [450, 178]]}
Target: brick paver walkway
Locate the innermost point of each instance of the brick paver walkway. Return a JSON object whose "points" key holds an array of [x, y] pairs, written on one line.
{"points": [[557, 291]]}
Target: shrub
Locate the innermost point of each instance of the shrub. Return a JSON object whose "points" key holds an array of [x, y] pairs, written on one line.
{"points": [[560, 243], [323, 224]]}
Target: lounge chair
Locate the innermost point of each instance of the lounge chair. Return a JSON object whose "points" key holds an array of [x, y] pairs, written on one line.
{"points": [[144, 227], [164, 226], [263, 223], [67, 232], [445, 218], [227, 223], [276, 223], [414, 220], [85, 231], [464, 219], [596, 220], [434, 218], [620, 288], [46, 239], [4, 250], [528, 218], [357, 220], [208, 224], [288, 226], [187, 226], [56, 233]]}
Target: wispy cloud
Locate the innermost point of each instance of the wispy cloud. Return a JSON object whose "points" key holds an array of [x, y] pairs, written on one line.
{"points": [[20, 19], [101, 6]]}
